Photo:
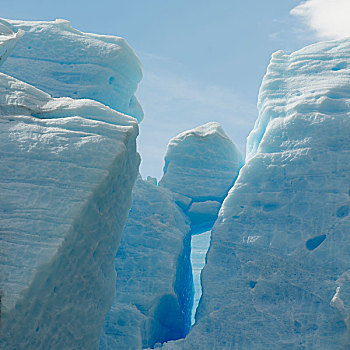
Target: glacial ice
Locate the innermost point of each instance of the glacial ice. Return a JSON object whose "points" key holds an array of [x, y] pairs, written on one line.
{"points": [[154, 277], [65, 62], [154, 280], [8, 40], [201, 165], [277, 268], [67, 170]]}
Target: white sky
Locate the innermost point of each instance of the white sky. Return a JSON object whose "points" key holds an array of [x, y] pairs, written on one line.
{"points": [[329, 18]]}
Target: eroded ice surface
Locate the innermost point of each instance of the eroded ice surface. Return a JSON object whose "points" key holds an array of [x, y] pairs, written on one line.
{"points": [[154, 280], [201, 165], [276, 273], [63, 61], [67, 169]]}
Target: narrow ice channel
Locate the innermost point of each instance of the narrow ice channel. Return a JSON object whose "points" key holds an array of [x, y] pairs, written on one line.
{"points": [[199, 247]]}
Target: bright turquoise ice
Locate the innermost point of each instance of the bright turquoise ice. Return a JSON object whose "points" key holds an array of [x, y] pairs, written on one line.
{"points": [[199, 247]]}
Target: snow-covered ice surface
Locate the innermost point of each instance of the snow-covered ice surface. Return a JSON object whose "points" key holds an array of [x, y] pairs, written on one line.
{"points": [[200, 167], [154, 280], [65, 62], [8, 40], [67, 170], [277, 268]]}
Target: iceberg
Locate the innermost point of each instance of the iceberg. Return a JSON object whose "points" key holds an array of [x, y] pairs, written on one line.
{"points": [[154, 280], [65, 62], [67, 171], [277, 268]]}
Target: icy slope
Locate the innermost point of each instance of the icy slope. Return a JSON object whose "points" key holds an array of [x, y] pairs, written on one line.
{"points": [[277, 269], [63, 61], [153, 274], [67, 169], [200, 167]]}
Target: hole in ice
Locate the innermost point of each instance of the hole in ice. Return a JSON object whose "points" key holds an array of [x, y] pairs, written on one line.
{"points": [[297, 326], [199, 248], [111, 80], [339, 66], [271, 206], [252, 284], [168, 319], [121, 322], [343, 211], [29, 47], [314, 242]]}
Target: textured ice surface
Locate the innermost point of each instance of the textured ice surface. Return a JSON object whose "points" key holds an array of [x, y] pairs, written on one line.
{"points": [[63, 61], [277, 268], [341, 299], [201, 163], [200, 166], [67, 169], [154, 281], [8, 40]]}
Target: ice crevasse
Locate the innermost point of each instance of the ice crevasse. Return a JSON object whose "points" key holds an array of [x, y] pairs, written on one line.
{"points": [[67, 170], [154, 278], [277, 272]]}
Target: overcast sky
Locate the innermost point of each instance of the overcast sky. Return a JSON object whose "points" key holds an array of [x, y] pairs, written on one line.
{"points": [[203, 60]]}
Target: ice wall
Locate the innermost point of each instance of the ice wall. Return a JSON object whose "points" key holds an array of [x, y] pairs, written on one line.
{"points": [[277, 268], [201, 165], [154, 281], [67, 169], [65, 62]]}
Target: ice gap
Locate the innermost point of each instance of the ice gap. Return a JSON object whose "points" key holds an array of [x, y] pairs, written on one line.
{"points": [[199, 248]]}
